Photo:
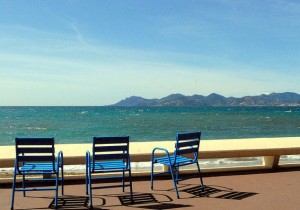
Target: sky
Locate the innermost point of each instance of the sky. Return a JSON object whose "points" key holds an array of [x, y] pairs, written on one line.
{"points": [[98, 52]]}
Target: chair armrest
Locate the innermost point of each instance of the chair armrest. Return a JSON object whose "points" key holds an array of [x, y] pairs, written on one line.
{"points": [[16, 167], [87, 162], [60, 159], [87, 158], [161, 149]]}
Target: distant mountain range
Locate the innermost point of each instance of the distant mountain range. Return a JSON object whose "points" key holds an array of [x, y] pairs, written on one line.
{"points": [[273, 99]]}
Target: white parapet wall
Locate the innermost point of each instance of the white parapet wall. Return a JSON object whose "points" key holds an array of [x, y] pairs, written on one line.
{"points": [[270, 149]]}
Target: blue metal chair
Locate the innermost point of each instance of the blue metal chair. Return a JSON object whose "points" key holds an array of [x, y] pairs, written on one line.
{"points": [[109, 155], [35, 156], [186, 153]]}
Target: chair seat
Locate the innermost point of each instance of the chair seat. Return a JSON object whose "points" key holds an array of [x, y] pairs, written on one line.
{"points": [[108, 165], [38, 167], [179, 160]]}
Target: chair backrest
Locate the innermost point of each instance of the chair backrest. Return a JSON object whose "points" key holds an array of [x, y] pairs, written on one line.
{"points": [[111, 148], [35, 150], [187, 144]]}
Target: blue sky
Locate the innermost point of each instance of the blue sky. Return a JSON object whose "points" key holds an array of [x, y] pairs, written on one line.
{"points": [[99, 52]]}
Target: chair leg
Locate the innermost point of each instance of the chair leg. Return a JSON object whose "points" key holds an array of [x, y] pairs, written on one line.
{"points": [[199, 172], [152, 175], [86, 180], [177, 174], [90, 188], [123, 181], [23, 185], [62, 180], [130, 180], [13, 192], [56, 189], [175, 185]]}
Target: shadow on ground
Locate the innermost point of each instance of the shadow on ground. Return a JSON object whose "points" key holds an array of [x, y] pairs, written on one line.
{"points": [[141, 200], [150, 201], [218, 192]]}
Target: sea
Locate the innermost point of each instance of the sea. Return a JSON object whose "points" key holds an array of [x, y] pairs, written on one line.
{"points": [[78, 124]]}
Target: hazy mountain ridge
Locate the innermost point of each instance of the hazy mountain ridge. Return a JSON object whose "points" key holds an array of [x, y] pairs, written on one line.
{"points": [[273, 99]]}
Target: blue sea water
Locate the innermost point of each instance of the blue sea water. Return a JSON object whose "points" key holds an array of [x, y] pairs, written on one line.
{"points": [[80, 124]]}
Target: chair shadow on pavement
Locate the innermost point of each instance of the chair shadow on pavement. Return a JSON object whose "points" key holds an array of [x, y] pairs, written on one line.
{"points": [[218, 192], [71, 202], [150, 201], [141, 200]]}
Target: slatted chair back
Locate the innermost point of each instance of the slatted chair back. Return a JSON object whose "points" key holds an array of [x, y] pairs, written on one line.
{"points": [[187, 144], [111, 148], [35, 150]]}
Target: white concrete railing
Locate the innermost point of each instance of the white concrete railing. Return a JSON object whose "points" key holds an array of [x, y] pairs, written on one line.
{"points": [[269, 148]]}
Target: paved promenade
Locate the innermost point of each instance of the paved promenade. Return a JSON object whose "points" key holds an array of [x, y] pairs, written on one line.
{"points": [[267, 190]]}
